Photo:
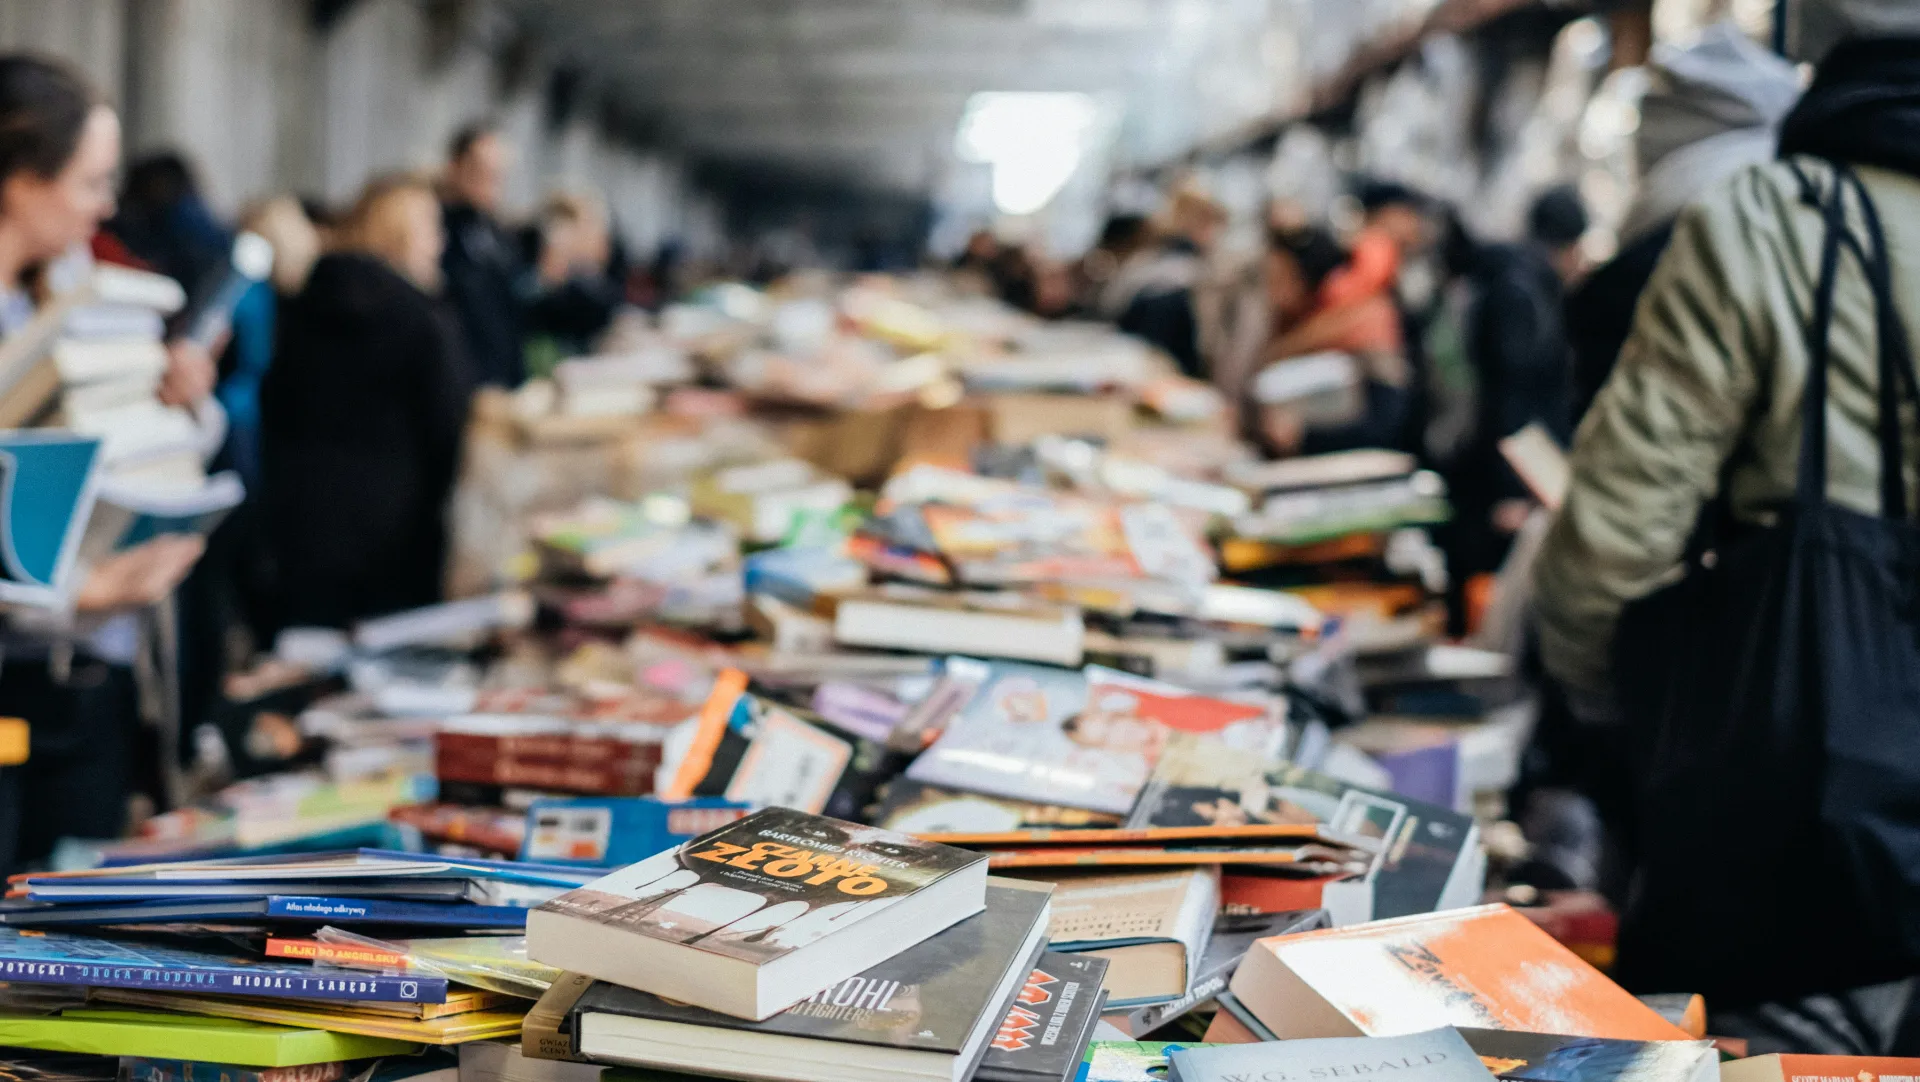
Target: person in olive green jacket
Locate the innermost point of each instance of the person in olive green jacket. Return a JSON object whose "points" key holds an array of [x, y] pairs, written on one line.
{"points": [[1705, 400], [1705, 403]]}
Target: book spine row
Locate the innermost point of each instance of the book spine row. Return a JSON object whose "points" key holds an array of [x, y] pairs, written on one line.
{"points": [[238, 981], [164, 1070]]}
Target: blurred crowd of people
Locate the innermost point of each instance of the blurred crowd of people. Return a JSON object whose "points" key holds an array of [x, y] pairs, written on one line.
{"points": [[339, 395], [1457, 343]]}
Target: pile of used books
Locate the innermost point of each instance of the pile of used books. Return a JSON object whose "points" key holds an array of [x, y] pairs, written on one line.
{"points": [[857, 684]]}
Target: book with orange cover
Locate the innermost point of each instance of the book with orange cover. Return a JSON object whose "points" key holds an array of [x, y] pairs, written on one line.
{"points": [[455, 1029], [1789, 1068], [1115, 836], [1311, 859], [1487, 967], [333, 954]]}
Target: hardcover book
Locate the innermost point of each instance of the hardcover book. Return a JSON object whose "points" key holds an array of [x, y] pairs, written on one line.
{"points": [[1233, 936], [927, 1012], [761, 913], [1151, 927]]}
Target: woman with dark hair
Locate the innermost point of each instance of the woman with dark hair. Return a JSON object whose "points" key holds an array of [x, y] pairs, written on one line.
{"points": [[59, 149]]}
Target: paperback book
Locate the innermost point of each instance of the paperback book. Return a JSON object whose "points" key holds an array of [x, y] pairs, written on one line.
{"points": [[1045, 1033], [928, 1011], [761, 913]]}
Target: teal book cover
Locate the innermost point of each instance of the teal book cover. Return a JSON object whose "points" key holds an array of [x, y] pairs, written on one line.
{"points": [[48, 482]]}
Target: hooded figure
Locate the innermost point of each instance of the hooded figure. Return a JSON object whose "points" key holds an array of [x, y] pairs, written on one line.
{"points": [[1710, 110], [1705, 420]]}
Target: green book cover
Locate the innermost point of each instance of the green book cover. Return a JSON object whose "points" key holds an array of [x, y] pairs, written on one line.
{"points": [[1131, 1061], [188, 1037]]}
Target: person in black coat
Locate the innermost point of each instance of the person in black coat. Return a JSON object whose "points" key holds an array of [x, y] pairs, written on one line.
{"points": [[362, 414], [482, 263]]}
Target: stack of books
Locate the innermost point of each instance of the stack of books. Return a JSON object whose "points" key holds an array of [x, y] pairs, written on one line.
{"points": [[265, 941], [787, 946]]}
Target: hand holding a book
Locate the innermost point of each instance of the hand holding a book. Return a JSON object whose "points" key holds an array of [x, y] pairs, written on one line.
{"points": [[1284, 429], [190, 373], [143, 575]]}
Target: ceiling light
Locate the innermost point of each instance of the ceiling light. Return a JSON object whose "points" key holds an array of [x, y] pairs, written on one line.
{"points": [[1033, 141]]}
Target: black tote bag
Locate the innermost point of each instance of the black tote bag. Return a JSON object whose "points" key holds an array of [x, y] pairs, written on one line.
{"points": [[1773, 718]]}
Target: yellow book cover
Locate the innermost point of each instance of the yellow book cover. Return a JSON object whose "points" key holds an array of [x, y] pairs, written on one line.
{"points": [[456, 1029]]}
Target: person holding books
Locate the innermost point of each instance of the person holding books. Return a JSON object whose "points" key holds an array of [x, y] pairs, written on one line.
{"points": [[1321, 305], [362, 415], [59, 149]]}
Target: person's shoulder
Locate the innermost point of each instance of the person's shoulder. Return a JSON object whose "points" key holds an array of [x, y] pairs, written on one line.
{"points": [[1765, 198]]}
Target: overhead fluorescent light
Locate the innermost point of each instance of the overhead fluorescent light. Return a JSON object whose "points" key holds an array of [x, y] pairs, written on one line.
{"points": [[1033, 141]]}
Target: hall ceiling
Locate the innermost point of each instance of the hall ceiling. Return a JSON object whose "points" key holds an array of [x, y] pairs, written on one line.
{"points": [[870, 91]]}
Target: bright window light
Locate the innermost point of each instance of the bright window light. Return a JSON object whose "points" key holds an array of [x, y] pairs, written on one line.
{"points": [[1033, 141]]}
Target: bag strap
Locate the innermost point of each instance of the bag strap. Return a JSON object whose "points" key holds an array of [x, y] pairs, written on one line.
{"points": [[1897, 384], [1810, 488]]}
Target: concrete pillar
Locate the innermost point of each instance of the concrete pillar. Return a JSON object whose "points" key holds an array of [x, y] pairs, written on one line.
{"points": [[89, 34]]}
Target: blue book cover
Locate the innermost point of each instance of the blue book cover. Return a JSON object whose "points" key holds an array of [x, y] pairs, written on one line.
{"points": [[87, 961], [612, 832], [48, 483], [289, 909]]}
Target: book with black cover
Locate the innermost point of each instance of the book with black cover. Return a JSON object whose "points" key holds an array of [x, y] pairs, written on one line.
{"points": [[1047, 1029], [927, 1012], [760, 914]]}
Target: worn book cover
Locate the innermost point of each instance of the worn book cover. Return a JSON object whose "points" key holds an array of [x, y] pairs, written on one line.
{"points": [[763, 886], [927, 998], [944, 815], [1033, 733], [1233, 936], [1427, 854], [1545, 1057], [1487, 967], [1046, 1030], [1438, 1055]]}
